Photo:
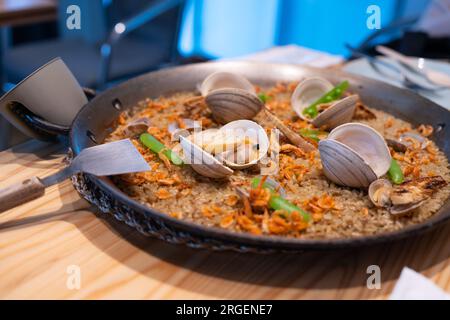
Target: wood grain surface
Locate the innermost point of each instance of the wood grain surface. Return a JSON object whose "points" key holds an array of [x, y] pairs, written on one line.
{"points": [[20, 12], [40, 242]]}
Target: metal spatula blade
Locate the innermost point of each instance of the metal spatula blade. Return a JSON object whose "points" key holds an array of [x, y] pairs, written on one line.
{"points": [[104, 160], [111, 158], [107, 159]]}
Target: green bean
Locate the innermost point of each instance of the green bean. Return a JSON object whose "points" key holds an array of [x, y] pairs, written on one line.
{"points": [[157, 147], [395, 173], [277, 202], [332, 95], [312, 134], [263, 97], [256, 181]]}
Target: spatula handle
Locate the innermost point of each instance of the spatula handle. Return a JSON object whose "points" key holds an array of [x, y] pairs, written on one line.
{"points": [[20, 193]]}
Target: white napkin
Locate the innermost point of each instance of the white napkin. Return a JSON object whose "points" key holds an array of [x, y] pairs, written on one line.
{"points": [[414, 286], [293, 54]]}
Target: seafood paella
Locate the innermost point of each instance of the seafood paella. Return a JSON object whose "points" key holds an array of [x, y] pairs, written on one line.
{"points": [[305, 159]]}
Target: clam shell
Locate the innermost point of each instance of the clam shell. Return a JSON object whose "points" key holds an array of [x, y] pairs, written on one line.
{"points": [[231, 104], [221, 80], [307, 92], [381, 200], [176, 131], [203, 137], [252, 130], [202, 162], [399, 210], [354, 155], [311, 89], [385, 200], [367, 142], [338, 113], [343, 166], [412, 194], [137, 126], [396, 145], [406, 197], [420, 139]]}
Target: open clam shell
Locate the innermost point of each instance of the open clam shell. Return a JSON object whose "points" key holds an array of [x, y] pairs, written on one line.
{"points": [[310, 90], [222, 80], [408, 139], [399, 210], [204, 137], [137, 126], [230, 97], [307, 92], [412, 194], [249, 154], [238, 145], [406, 197], [203, 162], [176, 131], [380, 193], [354, 155], [231, 104], [338, 113]]}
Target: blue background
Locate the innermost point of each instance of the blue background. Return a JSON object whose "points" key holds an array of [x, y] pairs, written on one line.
{"points": [[229, 28]]}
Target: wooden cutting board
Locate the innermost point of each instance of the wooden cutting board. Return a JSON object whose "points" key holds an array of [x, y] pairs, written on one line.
{"points": [[58, 247]]}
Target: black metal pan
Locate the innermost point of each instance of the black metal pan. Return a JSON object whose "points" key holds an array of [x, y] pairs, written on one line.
{"points": [[91, 124]]}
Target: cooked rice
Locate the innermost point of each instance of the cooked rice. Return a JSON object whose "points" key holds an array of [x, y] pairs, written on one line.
{"points": [[337, 212]]}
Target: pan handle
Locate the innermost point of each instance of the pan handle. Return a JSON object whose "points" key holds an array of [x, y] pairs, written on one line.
{"points": [[15, 195], [43, 126], [90, 93]]}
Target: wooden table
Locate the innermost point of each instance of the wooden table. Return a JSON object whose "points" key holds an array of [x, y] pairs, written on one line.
{"points": [[19, 12], [40, 242]]}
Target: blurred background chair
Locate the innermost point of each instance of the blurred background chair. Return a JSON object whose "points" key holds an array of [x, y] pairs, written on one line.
{"points": [[117, 39]]}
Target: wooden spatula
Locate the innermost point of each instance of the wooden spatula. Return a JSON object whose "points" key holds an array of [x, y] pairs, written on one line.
{"points": [[103, 160]]}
